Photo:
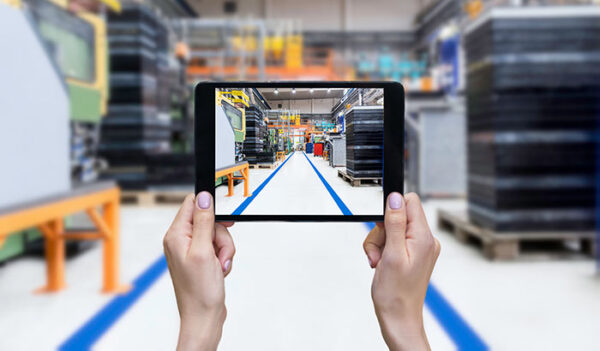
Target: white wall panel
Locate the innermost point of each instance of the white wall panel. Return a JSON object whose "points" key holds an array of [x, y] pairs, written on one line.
{"points": [[381, 15], [302, 106], [305, 105], [314, 14], [324, 15]]}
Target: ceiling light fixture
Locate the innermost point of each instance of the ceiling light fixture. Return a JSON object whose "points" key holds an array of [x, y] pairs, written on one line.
{"points": [[312, 90], [276, 91], [328, 90], [293, 90]]}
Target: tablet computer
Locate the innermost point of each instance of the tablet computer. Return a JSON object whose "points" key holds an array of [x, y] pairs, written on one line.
{"points": [[299, 151]]}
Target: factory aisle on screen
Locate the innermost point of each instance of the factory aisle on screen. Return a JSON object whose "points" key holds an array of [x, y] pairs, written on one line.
{"points": [[295, 189]]}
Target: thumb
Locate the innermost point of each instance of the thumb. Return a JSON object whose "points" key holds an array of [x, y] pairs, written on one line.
{"points": [[395, 222], [203, 222]]}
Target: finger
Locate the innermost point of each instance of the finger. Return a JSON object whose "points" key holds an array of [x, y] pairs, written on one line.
{"points": [[225, 248], [380, 224], [418, 229], [204, 223], [373, 245], [177, 237], [395, 221], [227, 224], [184, 217]]}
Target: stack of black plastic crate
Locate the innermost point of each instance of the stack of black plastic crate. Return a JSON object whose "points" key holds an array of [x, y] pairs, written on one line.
{"points": [[364, 141], [255, 145], [178, 166], [137, 126], [533, 100]]}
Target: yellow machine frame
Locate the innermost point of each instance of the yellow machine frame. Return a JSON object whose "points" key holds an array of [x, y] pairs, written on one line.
{"points": [[232, 97], [236, 96]]}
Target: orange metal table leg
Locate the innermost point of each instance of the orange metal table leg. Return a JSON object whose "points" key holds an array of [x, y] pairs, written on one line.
{"points": [[230, 184], [55, 256], [110, 276], [246, 176]]}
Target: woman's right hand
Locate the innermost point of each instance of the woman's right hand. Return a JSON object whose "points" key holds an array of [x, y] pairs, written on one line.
{"points": [[199, 254], [403, 252]]}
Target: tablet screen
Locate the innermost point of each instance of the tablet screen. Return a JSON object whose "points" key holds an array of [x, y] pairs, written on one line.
{"points": [[299, 151]]}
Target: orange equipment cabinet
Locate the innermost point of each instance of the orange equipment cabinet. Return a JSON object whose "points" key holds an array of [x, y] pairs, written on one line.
{"points": [[243, 168], [48, 215]]}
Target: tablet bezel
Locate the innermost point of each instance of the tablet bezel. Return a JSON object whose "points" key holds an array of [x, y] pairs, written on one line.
{"points": [[393, 143]]}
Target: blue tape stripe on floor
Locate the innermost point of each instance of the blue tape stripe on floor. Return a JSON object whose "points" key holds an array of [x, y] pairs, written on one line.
{"points": [[345, 210], [455, 326], [85, 337], [463, 336], [243, 205]]}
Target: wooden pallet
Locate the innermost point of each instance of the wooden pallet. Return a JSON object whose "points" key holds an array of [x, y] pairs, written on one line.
{"points": [[154, 197], [510, 245], [358, 181], [263, 166]]}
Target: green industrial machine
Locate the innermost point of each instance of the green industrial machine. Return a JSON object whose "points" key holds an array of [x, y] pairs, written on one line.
{"points": [[237, 118], [232, 103], [236, 114], [76, 42]]}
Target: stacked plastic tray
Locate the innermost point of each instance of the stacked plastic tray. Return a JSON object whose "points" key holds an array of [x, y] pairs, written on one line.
{"points": [[364, 142], [533, 92], [137, 126], [256, 143]]}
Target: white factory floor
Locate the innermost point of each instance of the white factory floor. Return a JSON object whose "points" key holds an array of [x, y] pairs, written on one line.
{"points": [[296, 189], [301, 286]]}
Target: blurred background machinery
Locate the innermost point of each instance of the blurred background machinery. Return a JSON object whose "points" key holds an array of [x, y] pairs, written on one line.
{"points": [[501, 126], [524, 77], [63, 49]]}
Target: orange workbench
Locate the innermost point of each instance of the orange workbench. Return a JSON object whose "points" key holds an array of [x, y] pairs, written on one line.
{"points": [[243, 168], [280, 156], [47, 215]]}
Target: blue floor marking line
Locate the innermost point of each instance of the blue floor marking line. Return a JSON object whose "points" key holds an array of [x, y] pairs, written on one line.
{"points": [[85, 337], [463, 336], [345, 210], [243, 205]]}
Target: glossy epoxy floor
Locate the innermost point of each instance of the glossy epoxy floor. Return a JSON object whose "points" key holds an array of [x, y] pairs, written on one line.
{"points": [[306, 286]]}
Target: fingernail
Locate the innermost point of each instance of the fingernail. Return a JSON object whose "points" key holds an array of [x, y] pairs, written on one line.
{"points": [[370, 262], [204, 200], [395, 201], [226, 265]]}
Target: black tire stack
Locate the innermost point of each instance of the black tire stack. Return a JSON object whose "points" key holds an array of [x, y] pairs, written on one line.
{"points": [[364, 142], [533, 92], [137, 126]]}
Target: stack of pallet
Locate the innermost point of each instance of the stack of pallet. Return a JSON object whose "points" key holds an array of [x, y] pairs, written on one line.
{"points": [[256, 143], [364, 142], [137, 125], [533, 88]]}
